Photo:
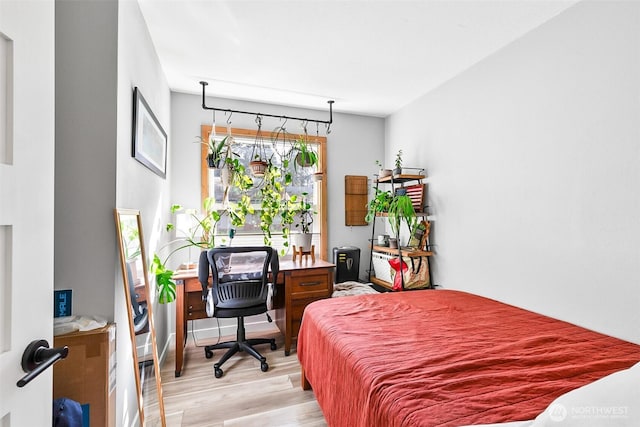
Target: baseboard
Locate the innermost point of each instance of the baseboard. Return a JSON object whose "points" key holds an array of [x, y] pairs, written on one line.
{"points": [[206, 330]]}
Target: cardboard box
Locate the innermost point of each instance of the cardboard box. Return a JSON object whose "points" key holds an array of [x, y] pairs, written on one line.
{"points": [[88, 374]]}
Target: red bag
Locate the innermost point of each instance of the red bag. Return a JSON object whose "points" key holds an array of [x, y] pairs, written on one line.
{"points": [[416, 276], [397, 279]]}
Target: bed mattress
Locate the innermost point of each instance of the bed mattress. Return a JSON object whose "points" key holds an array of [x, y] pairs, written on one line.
{"points": [[445, 358]]}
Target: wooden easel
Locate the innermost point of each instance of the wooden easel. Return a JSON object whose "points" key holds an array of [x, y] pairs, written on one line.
{"points": [[299, 252]]}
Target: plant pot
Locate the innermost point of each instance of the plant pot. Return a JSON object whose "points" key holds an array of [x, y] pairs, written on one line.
{"points": [[211, 162], [304, 160], [393, 243], [258, 167], [302, 240], [384, 172], [397, 171]]}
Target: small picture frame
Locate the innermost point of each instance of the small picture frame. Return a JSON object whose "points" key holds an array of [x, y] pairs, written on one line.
{"points": [[149, 139]]}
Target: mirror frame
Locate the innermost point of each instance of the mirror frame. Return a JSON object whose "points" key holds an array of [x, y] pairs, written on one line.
{"points": [[118, 213]]}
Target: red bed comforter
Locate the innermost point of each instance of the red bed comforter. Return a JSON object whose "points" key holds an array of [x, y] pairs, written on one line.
{"points": [[445, 358]]}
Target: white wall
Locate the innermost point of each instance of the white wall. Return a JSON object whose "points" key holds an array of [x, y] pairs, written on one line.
{"points": [[532, 158], [137, 187], [86, 58], [353, 145], [103, 51]]}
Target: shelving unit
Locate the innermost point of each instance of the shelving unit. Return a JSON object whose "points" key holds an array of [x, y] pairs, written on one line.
{"points": [[397, 182]]}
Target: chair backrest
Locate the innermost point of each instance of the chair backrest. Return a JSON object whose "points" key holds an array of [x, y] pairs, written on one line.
{"points": [[240, 275], [138, 311]]}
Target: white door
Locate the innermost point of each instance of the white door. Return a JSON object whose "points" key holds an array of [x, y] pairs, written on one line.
{"points": [[26, 203]]}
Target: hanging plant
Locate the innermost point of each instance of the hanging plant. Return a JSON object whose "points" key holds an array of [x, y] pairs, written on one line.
{"points": [[258, 167], [270, 206], [258, 163], [306, 156], [215, 150], [284, 151]]}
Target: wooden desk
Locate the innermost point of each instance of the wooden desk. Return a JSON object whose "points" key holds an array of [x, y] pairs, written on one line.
{"points": [[299, 283]]}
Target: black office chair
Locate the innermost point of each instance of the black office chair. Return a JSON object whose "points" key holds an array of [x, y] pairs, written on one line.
{"points": [[138, 310], [240, 287]]}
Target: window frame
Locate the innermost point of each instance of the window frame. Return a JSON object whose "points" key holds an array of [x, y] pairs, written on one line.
{"points": [[321, 167]]}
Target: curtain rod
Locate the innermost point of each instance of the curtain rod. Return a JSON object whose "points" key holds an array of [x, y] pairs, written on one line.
{"points": [[227, 110]]}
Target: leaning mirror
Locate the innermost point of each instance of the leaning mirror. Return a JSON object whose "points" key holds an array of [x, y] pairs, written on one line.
{"points": [[140, 299]]}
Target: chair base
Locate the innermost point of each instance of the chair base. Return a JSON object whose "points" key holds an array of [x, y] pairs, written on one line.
{"points": [[240, 344]]}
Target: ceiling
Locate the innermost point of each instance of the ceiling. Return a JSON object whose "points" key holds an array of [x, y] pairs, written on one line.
{"points": [[371, 57]]}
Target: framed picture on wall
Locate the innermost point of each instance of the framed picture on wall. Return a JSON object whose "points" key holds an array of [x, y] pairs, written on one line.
{"points": [[149, 139]]}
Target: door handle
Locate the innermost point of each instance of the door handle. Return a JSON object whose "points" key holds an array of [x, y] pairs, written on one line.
{"points": [[37, 357]]}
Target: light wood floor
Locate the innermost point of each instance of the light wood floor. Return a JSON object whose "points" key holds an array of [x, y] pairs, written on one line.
{"points": [[244, 396]]}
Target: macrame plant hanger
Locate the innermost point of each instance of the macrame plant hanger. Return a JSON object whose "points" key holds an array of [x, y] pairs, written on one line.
{"points": [[258, 163]]}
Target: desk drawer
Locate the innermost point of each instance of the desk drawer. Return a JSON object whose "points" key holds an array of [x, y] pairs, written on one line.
{"points": [[192, 284], [195, 308], [316, 283]]}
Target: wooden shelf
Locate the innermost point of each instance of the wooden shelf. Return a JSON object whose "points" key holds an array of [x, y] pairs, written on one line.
{"points": [[385, 214], [405, 251], [379, 282], [398, 179]]}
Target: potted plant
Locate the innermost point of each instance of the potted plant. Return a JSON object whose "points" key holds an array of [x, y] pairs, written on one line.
{"points": [[202, 235], [306, 157], [215, 156], [379, 204], [258, 163], [258, 166], [398, 163], [401, 210], [383, 171], [302, 212]]}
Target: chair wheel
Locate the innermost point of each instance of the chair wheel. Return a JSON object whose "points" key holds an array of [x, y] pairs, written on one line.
{"points": [[218, 372], [264, 367], [208, 354], [273, 346]]}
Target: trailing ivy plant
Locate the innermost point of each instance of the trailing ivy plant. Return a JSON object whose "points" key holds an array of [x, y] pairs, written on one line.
{"points": [[271, 192]]}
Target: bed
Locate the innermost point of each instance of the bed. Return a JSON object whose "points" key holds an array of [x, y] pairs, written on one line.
{"points": [[445, 358]]}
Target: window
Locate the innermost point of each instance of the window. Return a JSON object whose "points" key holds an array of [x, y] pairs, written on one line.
{"points": [[303, 184]]}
